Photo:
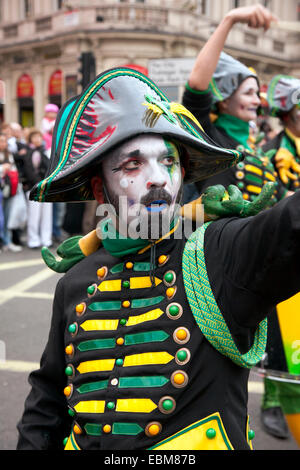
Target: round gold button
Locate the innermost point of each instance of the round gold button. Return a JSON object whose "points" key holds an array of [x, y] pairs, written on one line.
{"points": [[68, 391], [179, 379], [102, 272], [80, 308], [77, 429], [153, 429], [170, 292], [181, 335], [69, 350], [162, 259]]}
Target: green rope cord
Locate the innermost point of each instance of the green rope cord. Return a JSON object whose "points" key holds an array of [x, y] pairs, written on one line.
{"points": [[206, 311]]}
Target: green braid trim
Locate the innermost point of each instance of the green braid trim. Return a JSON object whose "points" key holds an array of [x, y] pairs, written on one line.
{"points": [[206, 311]]}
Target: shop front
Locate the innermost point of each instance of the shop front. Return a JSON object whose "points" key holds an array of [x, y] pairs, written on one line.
{"points": [[25, 94]]}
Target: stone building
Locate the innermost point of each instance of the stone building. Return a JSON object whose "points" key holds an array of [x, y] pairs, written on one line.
{"points": [[41, 41]]}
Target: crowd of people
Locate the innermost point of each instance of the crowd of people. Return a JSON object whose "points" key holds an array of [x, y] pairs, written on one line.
{"points": [[24, 159]]}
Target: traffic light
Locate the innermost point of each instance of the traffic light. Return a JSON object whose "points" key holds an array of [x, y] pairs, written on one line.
{"points": [[87, 69]]}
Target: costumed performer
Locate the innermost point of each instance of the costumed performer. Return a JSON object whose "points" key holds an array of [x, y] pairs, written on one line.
{"points": [[152, 337], [281, 366]]}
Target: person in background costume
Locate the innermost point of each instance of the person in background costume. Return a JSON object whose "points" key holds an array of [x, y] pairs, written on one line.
{"points": [[36, 162], [222, 85], [281, 365], [284, 103], [9, 180], [48, 122], [154, 330]]}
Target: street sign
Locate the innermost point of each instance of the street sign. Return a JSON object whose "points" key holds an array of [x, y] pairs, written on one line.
{"points": [[170, 72]]}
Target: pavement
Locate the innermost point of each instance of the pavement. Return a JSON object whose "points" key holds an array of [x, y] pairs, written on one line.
{"points": [[26, 293]]}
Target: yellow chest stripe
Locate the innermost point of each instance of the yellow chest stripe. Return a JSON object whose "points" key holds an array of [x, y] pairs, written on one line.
{"points": [[142, 282], [147, 359], [269, 176], [110, 286], [148, 316], [135, 405], [96, 325], [253, 189], [96, 366], [92, 406], [254, 169]]}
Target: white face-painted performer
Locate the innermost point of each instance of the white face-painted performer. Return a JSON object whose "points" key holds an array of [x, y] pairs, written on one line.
{"points": [[151, 340]]}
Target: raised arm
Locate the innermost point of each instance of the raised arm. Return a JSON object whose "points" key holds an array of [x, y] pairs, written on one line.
{"points": [[255, 16]]}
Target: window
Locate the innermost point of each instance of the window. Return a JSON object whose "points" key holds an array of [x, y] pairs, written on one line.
{"points": [[203, 7], [298, 11], [28, 8], [60, 4]]}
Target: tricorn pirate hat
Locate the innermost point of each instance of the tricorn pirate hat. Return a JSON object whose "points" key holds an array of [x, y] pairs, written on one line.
{"points": [[118, 105]]}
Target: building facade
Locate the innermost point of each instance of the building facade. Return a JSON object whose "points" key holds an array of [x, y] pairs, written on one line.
{"points": [[41, 41]]}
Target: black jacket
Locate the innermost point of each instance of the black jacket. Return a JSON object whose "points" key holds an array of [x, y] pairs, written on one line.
{"points": [[252, 265], [31, 174]]}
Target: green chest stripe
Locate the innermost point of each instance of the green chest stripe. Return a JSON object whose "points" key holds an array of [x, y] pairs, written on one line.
{"points": [[139, 303], [91, 345], [254, 161], [93, 386], [142, 382], [127, 429], [253, 179], [147, 337], [206, 311], [109, 305]]}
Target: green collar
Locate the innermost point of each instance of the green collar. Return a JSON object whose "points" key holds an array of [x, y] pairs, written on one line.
{"points": [[118, 245], [235, 128]]}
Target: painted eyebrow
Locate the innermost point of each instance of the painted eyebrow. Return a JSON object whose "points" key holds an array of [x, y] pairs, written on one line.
{"points": [[122, 157], [137, 153]]}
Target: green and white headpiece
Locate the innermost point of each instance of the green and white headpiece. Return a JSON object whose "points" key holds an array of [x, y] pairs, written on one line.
{"points": [[283, 94]]}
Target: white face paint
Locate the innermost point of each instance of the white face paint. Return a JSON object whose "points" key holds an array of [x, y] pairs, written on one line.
{"points": [[144, 174], [124, 183]]}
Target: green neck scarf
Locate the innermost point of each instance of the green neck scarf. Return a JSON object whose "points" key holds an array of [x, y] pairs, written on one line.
{"points": [[118, 245], [235, 128]]}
